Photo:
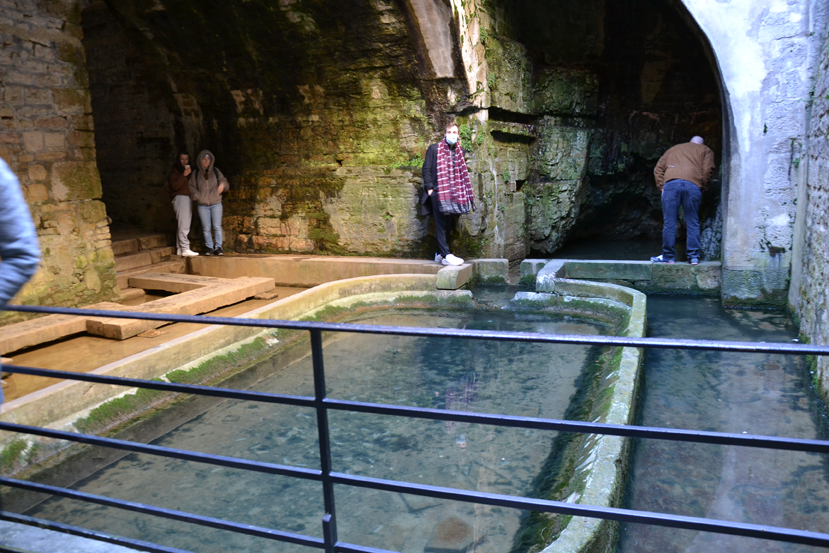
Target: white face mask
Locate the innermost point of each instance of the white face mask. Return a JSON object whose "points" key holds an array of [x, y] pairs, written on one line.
{"points": [[451, 139]]}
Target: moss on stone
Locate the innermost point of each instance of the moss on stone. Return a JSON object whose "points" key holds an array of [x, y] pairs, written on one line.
{"points": [[558, 478], [220, 363], [120, 410], [76, 181], [12, 455]]}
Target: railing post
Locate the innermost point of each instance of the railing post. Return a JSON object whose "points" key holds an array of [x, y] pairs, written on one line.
{"points": [[329, 521]]}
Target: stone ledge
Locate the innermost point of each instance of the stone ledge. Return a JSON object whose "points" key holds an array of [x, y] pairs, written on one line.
{"points": [[673, 278], [602, 461], [198, 295], [546, 278], [176, 266], [609, 270], [453, 277], [202, 297], [491, 271], [306, 270]]}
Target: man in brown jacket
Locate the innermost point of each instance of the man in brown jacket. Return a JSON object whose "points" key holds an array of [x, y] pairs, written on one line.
{"points": [[682, 173]]}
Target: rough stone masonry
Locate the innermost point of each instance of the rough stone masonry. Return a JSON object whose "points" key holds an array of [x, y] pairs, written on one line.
{"points": [[322, 133]]}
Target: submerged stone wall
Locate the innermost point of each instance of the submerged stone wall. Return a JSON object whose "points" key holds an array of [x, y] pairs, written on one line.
{"points": [[46, 136]]}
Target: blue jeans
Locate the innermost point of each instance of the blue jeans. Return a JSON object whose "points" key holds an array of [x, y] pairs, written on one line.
{"points": [[678, 192], [211, 218]]}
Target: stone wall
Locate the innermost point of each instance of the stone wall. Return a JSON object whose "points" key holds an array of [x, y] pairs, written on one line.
{"points": [[46, 136], [323, 135], [564, 107], [134, 126], [313, 113], [809, 293], [766, 53]]}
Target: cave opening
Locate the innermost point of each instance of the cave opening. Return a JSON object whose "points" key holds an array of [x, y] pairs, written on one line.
{"points": [[640, 79], [135, 129]]}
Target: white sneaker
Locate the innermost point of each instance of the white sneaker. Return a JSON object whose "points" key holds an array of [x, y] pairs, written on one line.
{"points": [[438, 258], [452, 260], [178, 251], [188, 253]]}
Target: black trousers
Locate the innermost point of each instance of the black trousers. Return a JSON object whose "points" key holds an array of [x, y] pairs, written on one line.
{"points": [[443, 224]]}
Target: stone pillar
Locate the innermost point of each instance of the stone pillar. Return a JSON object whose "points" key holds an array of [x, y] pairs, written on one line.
{"points": [[46, 136], [765, 54]]}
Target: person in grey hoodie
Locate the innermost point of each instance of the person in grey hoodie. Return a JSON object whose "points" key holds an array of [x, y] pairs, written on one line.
{"points": [[207, 184]]}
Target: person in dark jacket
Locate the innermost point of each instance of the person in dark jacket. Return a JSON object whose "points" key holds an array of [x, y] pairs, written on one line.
{"points": [[446, 189], [681, 174], [207, 184], [178, 186]]}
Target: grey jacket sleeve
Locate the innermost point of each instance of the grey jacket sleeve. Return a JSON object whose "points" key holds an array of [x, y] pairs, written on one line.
{"points": [[19, 249]]}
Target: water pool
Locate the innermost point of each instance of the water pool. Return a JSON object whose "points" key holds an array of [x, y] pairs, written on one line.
{"points": [[516, 379]]}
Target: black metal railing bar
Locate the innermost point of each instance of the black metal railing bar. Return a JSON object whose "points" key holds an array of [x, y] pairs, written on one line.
{"points": [[622, 515], [802, 537], [172, 514], [619, 341], [656, 433], [183, 455]]}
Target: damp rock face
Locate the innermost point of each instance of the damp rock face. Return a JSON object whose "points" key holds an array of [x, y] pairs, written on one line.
{"points": [[320, 113], [452, 535], [323, 135]]}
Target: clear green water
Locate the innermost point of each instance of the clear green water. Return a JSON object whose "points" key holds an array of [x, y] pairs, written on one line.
{"points": [[515, 379], [756, 394]]}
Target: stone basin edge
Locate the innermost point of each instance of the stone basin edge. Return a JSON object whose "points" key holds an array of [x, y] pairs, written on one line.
{"points": [[603, 462], [61, 405]]}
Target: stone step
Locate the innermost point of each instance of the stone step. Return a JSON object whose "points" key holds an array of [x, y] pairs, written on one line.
{"points": [[175, 265], [138, 243], [30, 333], [203, 296], [128, 294], [143, 258]]}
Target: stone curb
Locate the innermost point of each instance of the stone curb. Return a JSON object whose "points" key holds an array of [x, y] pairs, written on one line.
{"points": [[657, 278], [604, 460], [58, 405]]}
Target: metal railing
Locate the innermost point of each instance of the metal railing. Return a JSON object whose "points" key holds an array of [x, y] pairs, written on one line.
{"points": [[328, 477]]}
